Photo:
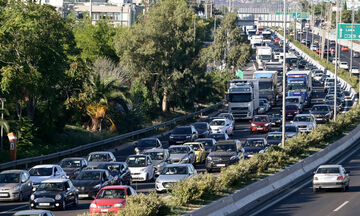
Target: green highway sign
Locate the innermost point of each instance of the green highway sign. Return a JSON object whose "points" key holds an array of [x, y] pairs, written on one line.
{"points": [[240, 74], [348, 31], [297, 15]]}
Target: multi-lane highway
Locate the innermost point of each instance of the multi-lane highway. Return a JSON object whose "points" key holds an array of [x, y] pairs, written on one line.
{"points": [[241, 132]]}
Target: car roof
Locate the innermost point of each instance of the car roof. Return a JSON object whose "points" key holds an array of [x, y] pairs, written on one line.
{"points": [[27, 212], [201, 123], [329, 166], [177, 165], [274, 132], [256, 138], [45, 166], [307, 114], [155, 150], [139, 155], [174, 146], [94, 170], [320, 105], [192, 143], [73, 158], [212, 139], [112, 162], [13, 171], [101, 152], [230, 142], [219, 118], [149, 138], [55, 180], [115, 187], [260, 115]]}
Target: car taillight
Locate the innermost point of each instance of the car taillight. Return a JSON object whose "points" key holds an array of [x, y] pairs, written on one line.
{"points": [[315, 178], [340, 178]]}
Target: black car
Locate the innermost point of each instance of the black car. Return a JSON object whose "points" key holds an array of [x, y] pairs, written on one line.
{"points": [[321, 112], [73, 166], [203, 129], [223, 154], [119, 171], [54, 194], [302, 64], [208, 143], [275, 119], [219, 136], [183, 134], [89, 182], [273, 138], [147, 143], [254, 146]]}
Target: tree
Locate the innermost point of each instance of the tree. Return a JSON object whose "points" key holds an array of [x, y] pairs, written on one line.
{"points": [[96, 41], [35, 44], [161, 48], [346, 16]]}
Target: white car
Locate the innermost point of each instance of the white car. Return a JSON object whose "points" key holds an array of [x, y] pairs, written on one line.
{"points": [[141, 168], [222, 125], [344, 65], [338, 60], [173, 173], [355, 70], [331, 176], [44, 172], [304, 122]]}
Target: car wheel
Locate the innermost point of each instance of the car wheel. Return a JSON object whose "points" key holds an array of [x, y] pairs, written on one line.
{"points": [[76, 202], [130, 181], [63, 205]]}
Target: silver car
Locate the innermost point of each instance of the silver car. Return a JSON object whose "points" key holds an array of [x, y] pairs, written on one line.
{"points": [[15, 185], [304, 122], [181, 154], [331, 176], [95, 158], [34, 213], [173, 173], [159, 158]]}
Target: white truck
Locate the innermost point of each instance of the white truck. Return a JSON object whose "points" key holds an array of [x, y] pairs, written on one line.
{"points": [[267, 85], [243, 98], [263, 55], [256, 40]]}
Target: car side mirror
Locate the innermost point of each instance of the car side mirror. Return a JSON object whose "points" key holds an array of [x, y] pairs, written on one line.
{"points": [[34, 189], [23, 180]]}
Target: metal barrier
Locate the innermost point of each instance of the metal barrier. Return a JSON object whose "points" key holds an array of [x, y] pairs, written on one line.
{"points": [[108, 141]]}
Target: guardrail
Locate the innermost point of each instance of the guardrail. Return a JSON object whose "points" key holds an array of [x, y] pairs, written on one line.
{"points": [[108, 141]]}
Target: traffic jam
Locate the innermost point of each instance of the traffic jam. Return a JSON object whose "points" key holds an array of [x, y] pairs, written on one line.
{"points": [[253, 105]]}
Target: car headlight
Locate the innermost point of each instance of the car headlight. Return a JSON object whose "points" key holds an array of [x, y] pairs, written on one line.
{"points": [[267, 124], [58, 197], [98, 186], [328, 114], [185, 159], [159, 165], [32, 197], [171, 137], [261, 151], [209, 158], [233, 158], [137, 149], [117, 205], [252, 124], [116, 178], [16, 188], [143, 170], [187, 137], [92, 205]]}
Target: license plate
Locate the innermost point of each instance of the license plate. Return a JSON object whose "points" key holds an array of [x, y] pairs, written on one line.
{"points": [[44, 204], [259, 128], [104, 210], [220, 165], [179, 141], [83, 195], [3, 194]]}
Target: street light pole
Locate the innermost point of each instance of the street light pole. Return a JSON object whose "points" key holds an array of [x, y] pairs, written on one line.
{"points": [[336, 62], [352, 24], [283, 82], [3, 100]]}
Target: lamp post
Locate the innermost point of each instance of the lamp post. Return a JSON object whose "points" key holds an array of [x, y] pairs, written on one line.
{"points": [[352, 24], [3, 100], [336, 62], [284, 83]]}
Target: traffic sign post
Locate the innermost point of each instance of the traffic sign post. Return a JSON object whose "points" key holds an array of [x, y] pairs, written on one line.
{"points": [[240, 74], [349, 31], [297, 15]]}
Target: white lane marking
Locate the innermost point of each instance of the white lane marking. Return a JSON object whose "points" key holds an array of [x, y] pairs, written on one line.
{"points": [[342, 205], [10, 210]]}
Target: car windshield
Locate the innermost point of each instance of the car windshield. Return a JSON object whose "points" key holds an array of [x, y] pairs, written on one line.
{"points": [[156, 155], [275, 115], [348, 103], [260, 119], [147, 143], [200, 126], [320, 108], [178, 150], [254, 143], [58, 186], [297, 88], [217, 122], [89, 175], [243, 97], [180, 170], [41, 171], [291, 107], [302, 119], [113, 168], [136, 161], [98, 157], [10, 178], [217, 136], [292, 100], [196, 147], [182, 130], [111, 194], [70, 164], [328, 170], [274, 137], [289, 128], [261, 103], [205, 142], [224, 148]]}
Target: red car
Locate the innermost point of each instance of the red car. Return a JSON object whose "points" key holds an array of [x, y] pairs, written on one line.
{"points": [[110, 199], [260, 123], [276, 40], [291, 110], [344, 48]]}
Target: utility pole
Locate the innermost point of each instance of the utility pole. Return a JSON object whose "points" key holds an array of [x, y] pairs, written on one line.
{"points": [[336, 62], [352, 24], [313, 23], [91, 11], [283, 82], [328, 30], [3, 100]]}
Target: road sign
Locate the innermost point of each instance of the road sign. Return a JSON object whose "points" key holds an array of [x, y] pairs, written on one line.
{"points": [[297, 15], [348, 31], [240, 74]]}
